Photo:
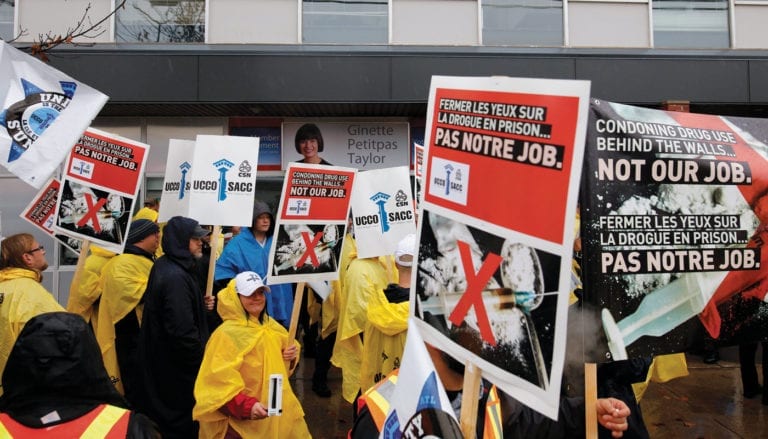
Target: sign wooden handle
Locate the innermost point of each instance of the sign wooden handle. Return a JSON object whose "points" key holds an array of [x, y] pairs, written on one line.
{"points": [[590, 400], [296, 309], [212, 261], [469, 394]]}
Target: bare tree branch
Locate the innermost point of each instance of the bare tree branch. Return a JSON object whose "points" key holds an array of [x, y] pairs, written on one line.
{"points": [[83, 29]]}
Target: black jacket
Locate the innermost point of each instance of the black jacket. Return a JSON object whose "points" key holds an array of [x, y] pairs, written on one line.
{"points": [[56, 365], [173, 334]]}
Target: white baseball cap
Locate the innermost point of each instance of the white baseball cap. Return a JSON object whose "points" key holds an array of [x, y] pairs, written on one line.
{"points": [[248, 282], [406, 246]]}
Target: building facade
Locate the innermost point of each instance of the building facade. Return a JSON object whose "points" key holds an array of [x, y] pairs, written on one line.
{"points": [[178, 68]]}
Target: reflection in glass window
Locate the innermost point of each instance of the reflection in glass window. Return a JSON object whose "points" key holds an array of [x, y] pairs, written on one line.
{"points": [[522, 22], [6, 19], [690, 24], [345, 21], [161, 21]]}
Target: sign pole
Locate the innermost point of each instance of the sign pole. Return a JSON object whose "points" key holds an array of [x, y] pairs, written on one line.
{"points": [[590, 400], [212, 261], [296, 309], [469, 394], [84, 247]]}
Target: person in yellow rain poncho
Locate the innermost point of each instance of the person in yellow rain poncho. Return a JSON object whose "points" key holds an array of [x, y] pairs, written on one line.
{"points": [[84, 297], [122, 286], [232, 386], [385, 331], [22, 261], [363, 279]]}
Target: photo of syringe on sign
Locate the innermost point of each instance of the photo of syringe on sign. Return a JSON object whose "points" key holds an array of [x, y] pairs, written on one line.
{"points": [[493, 296], [308, 248]]}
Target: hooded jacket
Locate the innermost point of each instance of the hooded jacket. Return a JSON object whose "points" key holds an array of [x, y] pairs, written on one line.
{"points": [[55, 367], [173, 334], [21, 298], [239, 358]]}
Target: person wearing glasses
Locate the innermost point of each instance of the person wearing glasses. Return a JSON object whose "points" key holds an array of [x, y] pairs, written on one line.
{"points": [[22, 296]]}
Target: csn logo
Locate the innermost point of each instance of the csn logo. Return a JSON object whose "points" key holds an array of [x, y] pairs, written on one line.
{"points": [[26, 120]]}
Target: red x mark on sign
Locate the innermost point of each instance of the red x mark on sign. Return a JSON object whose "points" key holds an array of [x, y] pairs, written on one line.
{"points": [[310, 253], [93, 210], [474, 294]]}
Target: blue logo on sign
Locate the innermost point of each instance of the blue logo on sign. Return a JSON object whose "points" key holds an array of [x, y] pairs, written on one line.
{"points": [[380, 198], [26, 120], [223, 166]]}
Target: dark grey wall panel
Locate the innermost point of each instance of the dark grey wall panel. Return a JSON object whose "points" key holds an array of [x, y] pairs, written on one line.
{"points": [[411, 75], [135, 77], [650, 81], [294, 78], [758, 81]]}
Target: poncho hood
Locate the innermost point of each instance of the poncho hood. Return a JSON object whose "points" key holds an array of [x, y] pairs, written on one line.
{"points": [[176, 235], [55, 365]]}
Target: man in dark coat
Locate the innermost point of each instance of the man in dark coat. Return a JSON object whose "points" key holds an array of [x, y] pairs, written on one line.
{"points": [[173, 331], [56, 385]]}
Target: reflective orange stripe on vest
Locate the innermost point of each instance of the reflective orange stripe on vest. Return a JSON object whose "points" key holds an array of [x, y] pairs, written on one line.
{"points": [[493, 428], [377, 398], [105, 421]]}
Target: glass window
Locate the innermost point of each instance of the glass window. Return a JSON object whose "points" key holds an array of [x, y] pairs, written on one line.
{"points": [[6, 19], [690, 24], [161, 21], [345, 21], [522, 22]]}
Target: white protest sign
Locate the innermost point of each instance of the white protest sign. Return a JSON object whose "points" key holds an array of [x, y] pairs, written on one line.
{"points": [[224, 180], [382, 210], [178, 180]]}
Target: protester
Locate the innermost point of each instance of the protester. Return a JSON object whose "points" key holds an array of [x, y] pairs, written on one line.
{"points": [[56, 386], [249, 251], [309, 143], [122, 287], [232, 388], [386, 328], [149, 211], [22, 262], [173, 331], [85, 294], [363, 279]]}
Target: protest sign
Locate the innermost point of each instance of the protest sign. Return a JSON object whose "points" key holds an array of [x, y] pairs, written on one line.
{"points": [[40, 212], [382, 210], [311, 223], [223, 180], [673, 220], [178, 180], [102, 175], [503, 164], [44, 112], [418, 175]]}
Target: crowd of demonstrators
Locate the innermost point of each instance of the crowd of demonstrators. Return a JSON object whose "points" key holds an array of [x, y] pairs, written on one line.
{"points": [[22, 297], [122, 285], [243, 354], [249, 251], [56, 386], [173, 331]]}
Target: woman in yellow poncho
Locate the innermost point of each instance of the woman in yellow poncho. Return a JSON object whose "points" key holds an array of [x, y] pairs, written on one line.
{"points": [[239, 358]]}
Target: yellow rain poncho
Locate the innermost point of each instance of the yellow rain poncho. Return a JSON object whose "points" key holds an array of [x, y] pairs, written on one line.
{"points": [[123, 282], [239, 357], [363, 279], [83, 299], [384, 337], [663, 368], [21, 298]]}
